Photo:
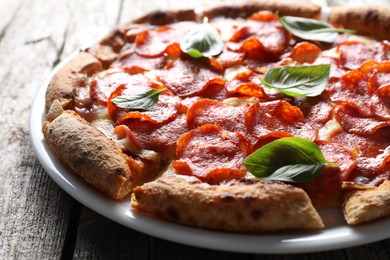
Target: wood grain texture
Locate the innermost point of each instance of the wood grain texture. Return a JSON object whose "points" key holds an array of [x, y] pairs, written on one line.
{"points": [[38, 220]]}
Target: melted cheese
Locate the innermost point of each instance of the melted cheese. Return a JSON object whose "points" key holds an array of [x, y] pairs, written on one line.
{"points": [[362, 39], [328, 130], [227, 26], [333, 53], [232, 72], [106, 126], [240, 101]]}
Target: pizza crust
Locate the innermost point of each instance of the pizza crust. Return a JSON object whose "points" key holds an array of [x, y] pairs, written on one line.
{"points": [[366, 205], [93, 156], [242, 207], [244, 9], [372, 21], [63, 82], [233, 9]]}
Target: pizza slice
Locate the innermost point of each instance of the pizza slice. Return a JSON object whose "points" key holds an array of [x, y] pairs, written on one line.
{"points": [[361, 206]]}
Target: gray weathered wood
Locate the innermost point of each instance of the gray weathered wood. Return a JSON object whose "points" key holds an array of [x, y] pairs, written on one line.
{"points": [[35, 35], [37, 219]]}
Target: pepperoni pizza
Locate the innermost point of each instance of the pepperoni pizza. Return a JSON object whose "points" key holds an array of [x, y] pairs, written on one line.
{"points": [[243, 118]]}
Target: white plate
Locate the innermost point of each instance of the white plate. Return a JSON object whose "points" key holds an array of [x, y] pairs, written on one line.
{"points": [[336, 235]]}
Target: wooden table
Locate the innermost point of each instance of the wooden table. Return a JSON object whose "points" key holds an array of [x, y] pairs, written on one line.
{"points": [[38, 220]]}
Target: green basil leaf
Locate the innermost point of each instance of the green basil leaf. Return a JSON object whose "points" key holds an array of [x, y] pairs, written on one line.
{"points": [[311, 29], [290, 159], [142, 101], [298, 173], [298, 81], [202, 41]]}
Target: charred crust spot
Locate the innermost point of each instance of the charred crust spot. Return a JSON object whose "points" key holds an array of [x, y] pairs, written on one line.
{"points": [[119, 171], [227, 198], [159, 18], [172, 213], [90, 69], [157, 15], [256, 214], [80, 159], [115, 40], [239, 216], [222, 223], [158, 213], [192, 221], [371, 15], [249, 199], [163, 17]]}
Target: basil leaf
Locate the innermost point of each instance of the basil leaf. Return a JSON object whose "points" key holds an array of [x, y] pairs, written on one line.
{"points": [[290, 159], [298, 81], [311, 29], [202, 41], [142, 101], [298, 173]]}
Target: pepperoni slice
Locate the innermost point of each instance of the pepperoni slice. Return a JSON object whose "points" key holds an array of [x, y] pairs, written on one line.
{"points": [[352, 90], [229, 58], [379, 86], [160, 138], [207, 111], [163, 112], [373, 155], [212, 154], [252, 48], [325, 191], [353, 122], [317, 111], [188, 77], [365, 89], [246, 83], [337, 153], [153, 43], [134, 63], [262, 31], [277, 119], [305, 52], [381, 104], [354, 54], [101, 88], [335, 71]]}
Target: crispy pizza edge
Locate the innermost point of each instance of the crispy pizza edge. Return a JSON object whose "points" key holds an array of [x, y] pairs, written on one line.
{"points": [[232, 9], [62, 85], [361, 206], [254, 207], [367, 20], [95, 157], [88, 153]]}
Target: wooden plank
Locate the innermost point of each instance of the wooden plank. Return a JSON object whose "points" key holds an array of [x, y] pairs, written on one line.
{"points": [[37, 219], [101, 238], [34, 211], [29, 207], [8, 9], [376, 251]]}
